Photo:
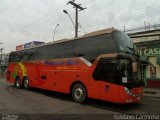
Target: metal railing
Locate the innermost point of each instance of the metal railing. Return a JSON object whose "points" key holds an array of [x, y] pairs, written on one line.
{"points": [[143, 29]]}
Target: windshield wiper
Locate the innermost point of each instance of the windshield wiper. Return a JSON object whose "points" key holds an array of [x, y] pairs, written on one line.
{"points": [[131, 49]]}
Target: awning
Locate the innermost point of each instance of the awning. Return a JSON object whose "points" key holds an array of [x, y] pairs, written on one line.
{"points": [[145, 61]]}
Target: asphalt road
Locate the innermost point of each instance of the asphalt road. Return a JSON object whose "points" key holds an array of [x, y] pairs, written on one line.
{"points": [[48, 105]]}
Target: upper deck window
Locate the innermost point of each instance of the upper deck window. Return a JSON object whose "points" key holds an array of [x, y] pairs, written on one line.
{"points": [[124, 42]]}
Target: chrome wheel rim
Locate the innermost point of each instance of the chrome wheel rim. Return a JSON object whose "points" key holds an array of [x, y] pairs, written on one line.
{"points": [[17, 83], [26, 83], [79, 93]]}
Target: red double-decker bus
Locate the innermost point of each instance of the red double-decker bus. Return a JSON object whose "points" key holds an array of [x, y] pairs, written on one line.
{"points": [[101, 65]]}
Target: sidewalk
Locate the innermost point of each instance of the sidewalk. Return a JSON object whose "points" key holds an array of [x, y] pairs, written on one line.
{"points": [[151, 92]]}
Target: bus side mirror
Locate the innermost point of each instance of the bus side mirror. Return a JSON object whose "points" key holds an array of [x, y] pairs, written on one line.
{"points": [[81, 55], [134, 67]]}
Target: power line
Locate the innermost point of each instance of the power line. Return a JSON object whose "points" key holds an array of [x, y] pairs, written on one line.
{"points": [[112, 21], [55, 20], [90, 1], [124, 15], [92, 25], [129, 17], [82, 28]]}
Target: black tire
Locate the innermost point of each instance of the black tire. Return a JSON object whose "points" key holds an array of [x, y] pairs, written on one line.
{"points": [[79, 93], [26, 83], [17, 83]]}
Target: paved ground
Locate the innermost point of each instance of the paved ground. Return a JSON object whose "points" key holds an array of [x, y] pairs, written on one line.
{"points": [[150, 92], [36, 103]]}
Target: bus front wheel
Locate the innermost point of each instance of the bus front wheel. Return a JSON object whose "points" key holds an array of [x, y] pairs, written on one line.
{"points": [[79, 93]]}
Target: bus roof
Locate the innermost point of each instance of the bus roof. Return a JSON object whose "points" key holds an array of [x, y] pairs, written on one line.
{"points": [[95, 33], [109, 30]]}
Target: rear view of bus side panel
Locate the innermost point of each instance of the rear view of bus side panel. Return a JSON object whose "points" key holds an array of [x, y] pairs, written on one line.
{"points": [[48, 73], [10, 73], [22, 70], [31, 69]]}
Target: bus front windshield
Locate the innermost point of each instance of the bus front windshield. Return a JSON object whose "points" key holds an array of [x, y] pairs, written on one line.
{"points": [[126, 73], [117, 71], [124, 42]]}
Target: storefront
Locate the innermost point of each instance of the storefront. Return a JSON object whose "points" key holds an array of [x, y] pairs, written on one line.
{"points": [[3, 69], [3, 65], [150, 55]]}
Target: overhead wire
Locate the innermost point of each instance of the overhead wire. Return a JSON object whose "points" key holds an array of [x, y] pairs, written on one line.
{"points": [[120, 18], [39, 20], [82, 28], [128, 14], [36, 25]]}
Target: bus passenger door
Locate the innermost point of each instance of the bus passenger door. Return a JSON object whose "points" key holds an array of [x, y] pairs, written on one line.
{"points": [[106, 75]]}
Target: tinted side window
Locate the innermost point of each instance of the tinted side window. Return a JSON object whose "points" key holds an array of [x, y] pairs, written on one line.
{"points": [[60, 50], [106, 70], [92, 47], [12, 57], [27, 55], [89, 48]]}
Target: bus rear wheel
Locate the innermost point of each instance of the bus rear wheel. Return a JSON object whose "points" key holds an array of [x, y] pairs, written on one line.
{"points": [[26, 83], [79, 93], [18, 83]]}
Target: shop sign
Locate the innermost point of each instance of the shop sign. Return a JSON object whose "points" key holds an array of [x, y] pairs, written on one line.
{"points": [[149, 52]]}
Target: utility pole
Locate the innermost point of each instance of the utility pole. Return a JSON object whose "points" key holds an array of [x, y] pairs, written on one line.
{"points": [[78, 8], [145, 25], [1, 61], [124, 28], [1, 50]]}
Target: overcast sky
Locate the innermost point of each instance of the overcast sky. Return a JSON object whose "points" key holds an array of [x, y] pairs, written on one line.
{"points": [[23, 21]]}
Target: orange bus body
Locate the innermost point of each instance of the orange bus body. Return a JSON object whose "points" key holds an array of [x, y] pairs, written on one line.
{"points": [[63, 73]]}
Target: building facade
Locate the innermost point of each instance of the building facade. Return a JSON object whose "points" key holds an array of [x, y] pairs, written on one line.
{"points": [[148, 45], [3, 65]]}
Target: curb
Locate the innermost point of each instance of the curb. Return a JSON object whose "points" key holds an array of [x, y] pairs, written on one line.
{"points": [[151, 96]]}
